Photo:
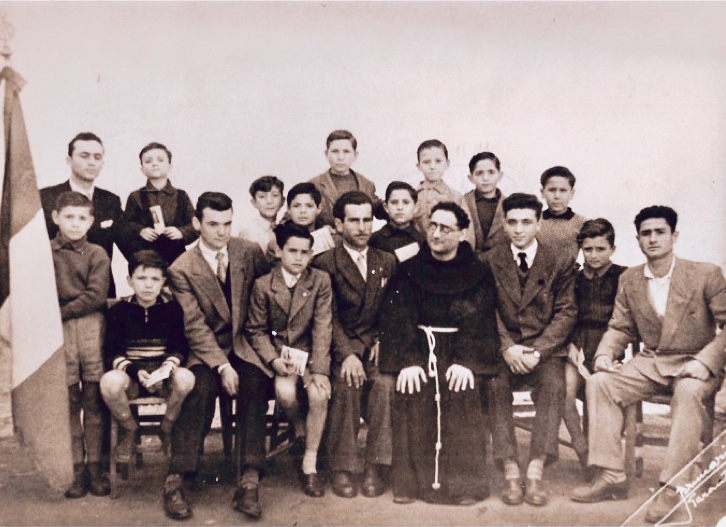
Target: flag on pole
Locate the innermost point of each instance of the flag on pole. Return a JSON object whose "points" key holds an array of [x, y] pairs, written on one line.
{"points": [[31, 332]]}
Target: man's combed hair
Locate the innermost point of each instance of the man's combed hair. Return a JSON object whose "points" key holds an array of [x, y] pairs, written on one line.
{"points": [[148, 259], [519, 200], [289, 229], [354, 197], [462, 219], [73, 199], [212, 200], [595, 228], [657, 211], [83, 136]]}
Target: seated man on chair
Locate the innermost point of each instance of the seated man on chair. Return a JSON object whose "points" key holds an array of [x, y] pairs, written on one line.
{"points": [[673, 307], [212, 281], [146, 350]]}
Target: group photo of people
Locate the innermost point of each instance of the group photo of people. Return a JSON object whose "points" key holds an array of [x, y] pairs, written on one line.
{"points": [[389, 282]]}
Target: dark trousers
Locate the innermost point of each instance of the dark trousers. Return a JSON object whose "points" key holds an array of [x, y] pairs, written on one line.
{"points": [[372, 402], [548, 393], [194, 422]]}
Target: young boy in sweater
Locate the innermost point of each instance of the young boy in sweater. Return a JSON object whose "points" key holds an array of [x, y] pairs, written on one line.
{"points": [[145, 350], [560, 225]]}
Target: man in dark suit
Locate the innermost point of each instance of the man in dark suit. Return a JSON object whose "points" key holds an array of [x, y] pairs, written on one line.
{"points": [[212, 282], [359, 276], [537, 312], [674, 308], [85, 158]]}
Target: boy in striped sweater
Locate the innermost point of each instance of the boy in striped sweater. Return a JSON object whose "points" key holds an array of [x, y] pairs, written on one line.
{"points": [[145, 349]]}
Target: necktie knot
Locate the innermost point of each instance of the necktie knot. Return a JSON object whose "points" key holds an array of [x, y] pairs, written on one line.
{"points": [[523, 262], [221, 267]]}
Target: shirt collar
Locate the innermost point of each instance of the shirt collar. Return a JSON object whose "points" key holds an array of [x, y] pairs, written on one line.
{"points": [[530, 251], [211, 254], [567, 215], [86, 192], [167, 189], [61, 242], [649, 274], [481, 197], [354, 254], [290, 279], [133, 300], [439, 186]]}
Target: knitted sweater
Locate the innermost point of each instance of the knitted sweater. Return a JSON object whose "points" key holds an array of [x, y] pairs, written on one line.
{"points": [[560, 232]]}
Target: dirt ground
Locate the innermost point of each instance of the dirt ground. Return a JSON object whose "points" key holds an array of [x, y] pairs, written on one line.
{"points": [[25, 499]]}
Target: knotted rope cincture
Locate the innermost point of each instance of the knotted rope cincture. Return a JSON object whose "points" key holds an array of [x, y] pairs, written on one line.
{"points": [[434, 372]]}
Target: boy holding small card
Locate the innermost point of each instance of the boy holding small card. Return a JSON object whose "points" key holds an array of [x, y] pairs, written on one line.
{"points": [[146, 350], [289, 326], [158, 216]]}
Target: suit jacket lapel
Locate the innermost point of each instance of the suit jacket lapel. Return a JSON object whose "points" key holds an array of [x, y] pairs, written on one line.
{"points": [[302, 293], [641, 296], [506, 272], [327, 187], [209, 282], [471, 203], [236, 282], [498, 222], [349, 270], [373, 280], [679, 296], [536, 276], [280, 291]]}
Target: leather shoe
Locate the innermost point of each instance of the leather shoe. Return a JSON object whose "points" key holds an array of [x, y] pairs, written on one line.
{"points": [[372, 485], [343, 486], [175, 505], [79, 487], [313, 486], [599, 490], [513, 494], [98, 483], [662, 505], [535, 493], [403, 500], [246, 500]]}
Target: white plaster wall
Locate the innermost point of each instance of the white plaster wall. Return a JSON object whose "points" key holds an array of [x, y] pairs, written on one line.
{"points": [[631, 97]]}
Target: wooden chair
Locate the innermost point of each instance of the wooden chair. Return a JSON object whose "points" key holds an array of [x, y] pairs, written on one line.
{"points": [[635, 437], [149, 423]]}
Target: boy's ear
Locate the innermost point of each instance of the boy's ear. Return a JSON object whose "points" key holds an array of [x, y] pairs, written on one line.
{"points": [[385, 207], [470, 177], [128, 279], [278, 252], [254, 203], [54, 215], [195, 223]]}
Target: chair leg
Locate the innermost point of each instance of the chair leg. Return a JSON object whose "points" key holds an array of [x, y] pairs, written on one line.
{"points": [[112, 465], [226, 415]]}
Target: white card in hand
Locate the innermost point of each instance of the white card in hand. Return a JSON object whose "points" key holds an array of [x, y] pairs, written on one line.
{"points": [[158, 217], [296, 360], [158, 375], [407, 251]]}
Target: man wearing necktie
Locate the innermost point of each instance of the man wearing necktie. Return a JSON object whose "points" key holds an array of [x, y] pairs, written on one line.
{"points": [[85, 159], [537, 312], [212, 282]]}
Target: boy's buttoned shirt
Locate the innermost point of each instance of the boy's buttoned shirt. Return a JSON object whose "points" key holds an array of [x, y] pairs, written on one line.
{"points": [[658, 287]]}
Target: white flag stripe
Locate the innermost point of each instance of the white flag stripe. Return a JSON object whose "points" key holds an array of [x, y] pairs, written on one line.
{"points": [[32, 263]]}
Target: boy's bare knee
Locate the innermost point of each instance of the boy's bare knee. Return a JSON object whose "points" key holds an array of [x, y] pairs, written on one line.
{"points": [[114, 383], [182, 381], [285, 390]]}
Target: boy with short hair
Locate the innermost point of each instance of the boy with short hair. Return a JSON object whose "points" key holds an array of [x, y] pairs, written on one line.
{"points": [[82, 273], [595, 287], [341, 150], [400, 205], [485, 201], [304, 207], [158, 216], [290, 327], [560, 225], [145, 350], [433, 160], [267, 197]]}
